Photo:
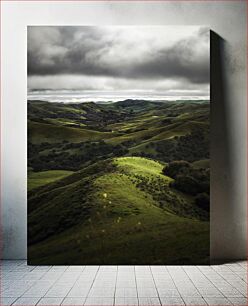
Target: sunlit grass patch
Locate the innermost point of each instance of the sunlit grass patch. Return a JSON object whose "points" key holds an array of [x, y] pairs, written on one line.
{"points": [[37, 179]]}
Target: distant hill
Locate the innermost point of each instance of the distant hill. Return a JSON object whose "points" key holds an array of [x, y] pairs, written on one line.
{"points": [[163, 133], [136, 106], [73, 114], [52, 133]]}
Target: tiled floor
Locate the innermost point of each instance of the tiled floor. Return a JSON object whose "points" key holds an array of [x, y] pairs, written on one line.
{"points": [[123, 285]]}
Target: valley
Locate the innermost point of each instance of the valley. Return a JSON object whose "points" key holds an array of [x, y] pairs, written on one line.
{"points": [[120, 183]]}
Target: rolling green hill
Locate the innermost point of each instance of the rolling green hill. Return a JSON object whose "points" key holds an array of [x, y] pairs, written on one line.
{"points": [[102, 210], [74, 114], [135, 106], [99, 191], [37, 179], [43, 132]]}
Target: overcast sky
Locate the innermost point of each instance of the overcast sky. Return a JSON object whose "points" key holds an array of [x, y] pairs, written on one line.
{"points": [[164, 60]]}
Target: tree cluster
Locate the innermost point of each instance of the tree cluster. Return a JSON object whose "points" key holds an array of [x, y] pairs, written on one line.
{"points": [[195, 182], [70, 156]]}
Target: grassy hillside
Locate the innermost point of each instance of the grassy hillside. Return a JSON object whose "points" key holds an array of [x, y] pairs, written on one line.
{"points": [[37, 179], [122, 222], [118, 183], [43, 132], [78, 114]]}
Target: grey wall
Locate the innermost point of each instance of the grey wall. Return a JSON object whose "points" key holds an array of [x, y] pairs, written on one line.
{"points": [[228, 148]]}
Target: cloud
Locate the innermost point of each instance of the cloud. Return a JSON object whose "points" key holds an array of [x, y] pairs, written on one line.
{"points": [[111, 84], [118, 56]]}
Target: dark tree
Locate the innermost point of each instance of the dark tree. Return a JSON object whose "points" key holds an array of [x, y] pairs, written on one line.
{"points": [[202, 201], [175, 168]]}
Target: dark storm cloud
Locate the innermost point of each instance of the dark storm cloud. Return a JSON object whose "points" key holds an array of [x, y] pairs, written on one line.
{"points": [[95, 51], [65, 50], [172, 63]]}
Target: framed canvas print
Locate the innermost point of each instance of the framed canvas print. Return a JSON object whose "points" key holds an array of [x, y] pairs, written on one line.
{"points": [[118, 145]]}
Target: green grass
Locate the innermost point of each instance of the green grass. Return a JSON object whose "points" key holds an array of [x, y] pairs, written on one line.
{"points": [[37, 179], [204, 163], [140, 165], [118, 196], [156, 133], [65, 122], [144, 135], [43, 132], [150, 237], [144, 121], [177, 129], [143, 147], [125, 224]]}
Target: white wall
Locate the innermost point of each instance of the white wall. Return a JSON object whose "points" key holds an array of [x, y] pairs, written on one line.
{"points": [[228, 186]]}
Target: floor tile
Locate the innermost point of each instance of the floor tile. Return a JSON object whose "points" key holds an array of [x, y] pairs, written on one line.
{"points": [[108, 268], [125, 283], [145, 283], [230, 292], [58, 291], [165, 284], [73, 301], [120, 301], [164, 292], [189, 292], [104, 283], [75, 269], [217, 301], [79, 290], [7, 301], [125, 269], [166, 301], [13, 293], [149, 301], [210, 292], [38, 290], [147, 292], [194, 301], [27, 301], [41, 268], [99, 301], [239, 301], [126, 292], [102, 292], [50, 301]]}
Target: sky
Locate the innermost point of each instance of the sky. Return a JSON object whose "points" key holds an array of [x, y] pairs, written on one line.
{"points": [[85, 61]]}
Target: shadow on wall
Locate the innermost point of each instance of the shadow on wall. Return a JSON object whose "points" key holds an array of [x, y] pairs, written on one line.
{"points": [[224, 230]]}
